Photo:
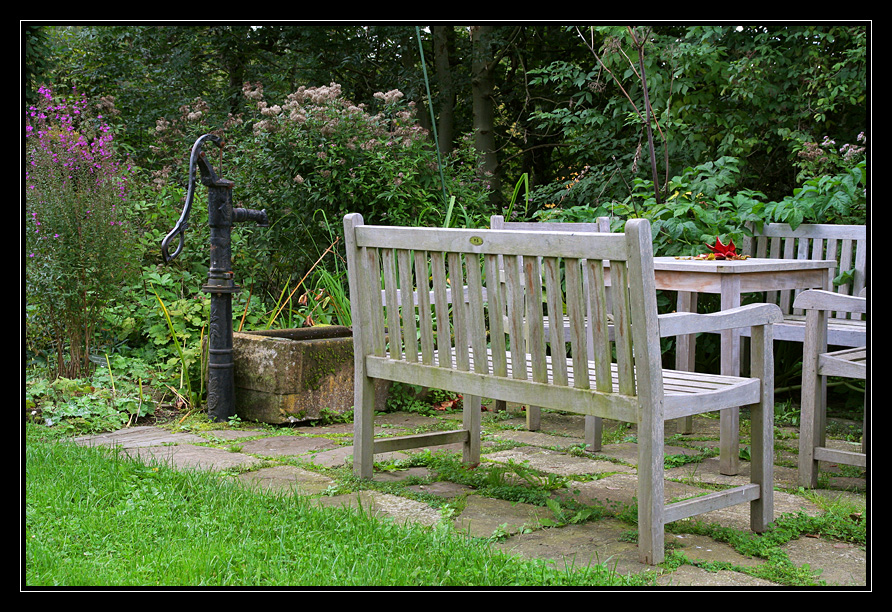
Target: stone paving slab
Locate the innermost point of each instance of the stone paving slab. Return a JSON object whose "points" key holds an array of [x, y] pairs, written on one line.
{"points": [[384, 505], [189, 456], [554, 462], [484, 516], [693, 576], [603, 541], [134, 437], [288, 479], [284, 446], [841, 564], [176, 449]]}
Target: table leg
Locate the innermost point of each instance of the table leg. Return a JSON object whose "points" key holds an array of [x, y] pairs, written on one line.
{"points": [[685, 351], [729, 423]]}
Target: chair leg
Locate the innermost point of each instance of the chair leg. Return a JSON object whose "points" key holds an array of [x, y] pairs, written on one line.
{"points": [[471, 422], [864, 426], [762, 434], [808, 430], [811, 430]]}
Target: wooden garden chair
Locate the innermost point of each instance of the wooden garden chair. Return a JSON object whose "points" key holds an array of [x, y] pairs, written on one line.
{"points": [[817, 365]]}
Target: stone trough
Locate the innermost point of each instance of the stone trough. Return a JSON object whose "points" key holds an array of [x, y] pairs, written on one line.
{"points": [[293, 375]]}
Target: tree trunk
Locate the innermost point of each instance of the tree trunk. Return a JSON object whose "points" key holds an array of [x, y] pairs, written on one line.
{"points": [[443, 37], [482, 80]]}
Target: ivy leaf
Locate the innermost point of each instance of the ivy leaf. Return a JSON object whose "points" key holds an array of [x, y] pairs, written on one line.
{"points": [[844, 278]]}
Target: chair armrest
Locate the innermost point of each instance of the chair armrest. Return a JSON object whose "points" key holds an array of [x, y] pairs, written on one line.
{"points": [[817, 299], [751, 315]]}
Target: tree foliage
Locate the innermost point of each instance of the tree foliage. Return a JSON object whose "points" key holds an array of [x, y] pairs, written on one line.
{"points": [[562, 98]]}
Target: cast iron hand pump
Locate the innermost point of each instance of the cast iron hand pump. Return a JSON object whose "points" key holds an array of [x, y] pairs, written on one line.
{"points": [[221, 216]]}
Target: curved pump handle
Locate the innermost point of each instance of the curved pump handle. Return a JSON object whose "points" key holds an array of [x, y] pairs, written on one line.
{"points": [[179, 229]]}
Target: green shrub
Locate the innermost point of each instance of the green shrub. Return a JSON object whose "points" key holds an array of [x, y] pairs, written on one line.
{"points": [[310, 159]]}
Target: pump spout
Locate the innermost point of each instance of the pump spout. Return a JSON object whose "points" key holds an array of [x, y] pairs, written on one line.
{"points": [[246, 214]]}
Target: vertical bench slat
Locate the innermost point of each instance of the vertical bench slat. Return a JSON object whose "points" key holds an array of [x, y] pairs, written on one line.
{"points": [[622, 326], [496, 312], [388, 261], [476, 322], [536, 327], [441, 309], [786, 301], [459, 311], [599, 325], [372, 270], [555, 303], [425, 320], [515, 305], [576, 312], [859, 281], [407, 304], [845, 263]]}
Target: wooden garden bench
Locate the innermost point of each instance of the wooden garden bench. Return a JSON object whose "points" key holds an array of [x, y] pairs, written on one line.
{"points": [[817, 365], [416, 340]]}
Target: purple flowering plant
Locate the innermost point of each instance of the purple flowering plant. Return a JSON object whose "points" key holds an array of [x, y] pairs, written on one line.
{"points": [[79, 245]]}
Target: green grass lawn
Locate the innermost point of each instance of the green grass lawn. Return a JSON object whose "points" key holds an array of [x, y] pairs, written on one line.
{"points": [[94, 517]]}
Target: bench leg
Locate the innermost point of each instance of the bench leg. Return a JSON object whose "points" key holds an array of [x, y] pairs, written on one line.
{"points": [[594, 432], [534, 418], [651, 537], [651, 497], [363, 427], [471, 422]]}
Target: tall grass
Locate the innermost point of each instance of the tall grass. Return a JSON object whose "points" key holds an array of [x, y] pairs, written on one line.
{"points": [[95, 517]]}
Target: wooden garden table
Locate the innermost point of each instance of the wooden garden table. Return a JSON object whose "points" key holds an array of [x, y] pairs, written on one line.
{"points": [[731, 279]]}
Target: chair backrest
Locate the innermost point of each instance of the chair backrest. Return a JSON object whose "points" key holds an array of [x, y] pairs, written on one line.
{"points": [[561, 270], [846, 244]]}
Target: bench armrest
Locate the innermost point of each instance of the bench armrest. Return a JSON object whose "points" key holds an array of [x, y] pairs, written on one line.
{"points": [[682, 323], [817, 299]]}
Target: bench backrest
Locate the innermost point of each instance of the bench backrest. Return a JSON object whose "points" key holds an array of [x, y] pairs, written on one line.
{"points": [[561, 271], [846, 244], [602, 225]]}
